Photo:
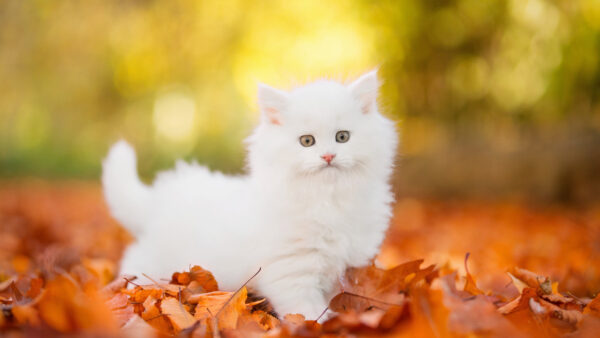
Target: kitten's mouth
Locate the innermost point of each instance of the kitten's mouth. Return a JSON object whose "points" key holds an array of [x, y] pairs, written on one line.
{"points": [[325, 169], [329, 166]]}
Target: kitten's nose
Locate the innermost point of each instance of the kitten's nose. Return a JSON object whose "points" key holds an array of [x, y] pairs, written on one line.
{"points": [[328, 158]]}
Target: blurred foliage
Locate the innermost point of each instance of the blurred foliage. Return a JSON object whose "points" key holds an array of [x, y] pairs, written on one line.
{"points": [[493, 97]]}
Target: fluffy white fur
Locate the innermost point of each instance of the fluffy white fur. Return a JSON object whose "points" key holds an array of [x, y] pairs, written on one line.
{"points": [[303, 221]]}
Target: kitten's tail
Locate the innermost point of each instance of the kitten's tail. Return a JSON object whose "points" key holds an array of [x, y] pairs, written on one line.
{"points": [[127, 197]]}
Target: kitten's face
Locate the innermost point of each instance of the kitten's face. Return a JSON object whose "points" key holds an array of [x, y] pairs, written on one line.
{"points": [[323, 129]]}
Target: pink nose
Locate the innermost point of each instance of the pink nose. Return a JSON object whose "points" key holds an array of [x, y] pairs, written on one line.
{"points": [[328, 157]]}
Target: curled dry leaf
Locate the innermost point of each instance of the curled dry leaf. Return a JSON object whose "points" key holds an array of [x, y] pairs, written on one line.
{"points": [[572, 317], [202, 278], [470, 284], [510, 306], [517, 283], [533, 280], [558, 298]]}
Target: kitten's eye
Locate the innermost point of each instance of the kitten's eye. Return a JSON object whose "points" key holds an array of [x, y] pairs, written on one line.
{"points": [[307, 140], [342, 136]]}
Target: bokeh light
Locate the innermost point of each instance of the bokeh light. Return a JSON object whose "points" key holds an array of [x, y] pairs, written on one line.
{"points": [[175, 117], [495, 97]]}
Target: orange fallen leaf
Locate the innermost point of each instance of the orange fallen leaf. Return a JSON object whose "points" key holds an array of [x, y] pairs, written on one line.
{"points": [[177, 314], [53, 234], [295, 325], [139, 294], [103, 269], [26, 315], [474, 314], [154, 317], [593, 308], [182, 278], [533, 280], [225, 306], [572, 317], [197, 274], [265, 320], [65, 307], [21, 263], [137, 327], [520, 285], [121, 308], [116, 285], [363, 288], [35, 288], [293, 320], [204, 278], [470, 285]]}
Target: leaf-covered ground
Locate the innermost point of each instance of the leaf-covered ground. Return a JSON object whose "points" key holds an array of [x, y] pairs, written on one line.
{"points": [[451, 269]]}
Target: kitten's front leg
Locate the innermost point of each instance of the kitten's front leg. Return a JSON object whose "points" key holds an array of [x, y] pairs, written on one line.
{"points": [[294, 294], [307, 301], [365, 248]]}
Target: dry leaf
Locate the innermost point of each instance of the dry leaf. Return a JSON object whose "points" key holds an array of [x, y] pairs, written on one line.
{"points": [[572, 317], [152, 314], [470, 285], [121, 308], [66, 308], [136, 327], [25, 315], [370, 287], [593, 308], [177, 314], [197, 274], [532, 280], [66, 261], [225, 306]]}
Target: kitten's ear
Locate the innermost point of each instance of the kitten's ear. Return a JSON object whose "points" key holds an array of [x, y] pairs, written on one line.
{"points": [[272, 102], [365, 90]]}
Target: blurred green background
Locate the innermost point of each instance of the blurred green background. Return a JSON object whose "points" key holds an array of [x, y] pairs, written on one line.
{"points": [[495, 99]]}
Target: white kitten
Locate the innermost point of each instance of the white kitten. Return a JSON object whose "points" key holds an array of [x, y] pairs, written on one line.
{"points": [[316, 200]]}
